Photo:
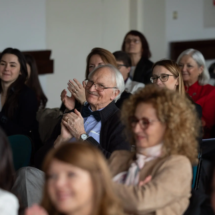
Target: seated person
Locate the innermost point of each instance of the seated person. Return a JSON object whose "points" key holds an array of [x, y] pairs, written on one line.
{"points": [[9, 204], [163, 126], [124, 66], [98, 122], [18, 103], [196, 78], [137, 47], [96, 57], [77, 181]]}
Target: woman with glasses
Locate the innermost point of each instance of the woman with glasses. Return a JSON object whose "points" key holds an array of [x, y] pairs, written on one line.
{"points": [[156, 177], [136, 45], [97, 57], [196, 78], [166, 74]]}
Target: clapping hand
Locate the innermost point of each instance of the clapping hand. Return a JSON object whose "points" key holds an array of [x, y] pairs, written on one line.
{"points": [[77, 90]]}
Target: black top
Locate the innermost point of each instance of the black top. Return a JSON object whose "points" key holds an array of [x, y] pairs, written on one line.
{"points": [[143, 71], [24, 118]]}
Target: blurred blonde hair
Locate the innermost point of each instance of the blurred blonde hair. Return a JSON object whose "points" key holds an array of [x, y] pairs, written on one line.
{"points": [[89, 158], [173, 110]]}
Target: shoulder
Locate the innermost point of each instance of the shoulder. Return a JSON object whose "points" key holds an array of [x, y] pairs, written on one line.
{"points": [[26, 91], [119, 160], [7, 198], [176, 162]]}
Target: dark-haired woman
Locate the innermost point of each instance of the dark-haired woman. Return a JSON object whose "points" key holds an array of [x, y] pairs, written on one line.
{"points": [[136, 45], [8, 202], [33, 81], [18, 103]]}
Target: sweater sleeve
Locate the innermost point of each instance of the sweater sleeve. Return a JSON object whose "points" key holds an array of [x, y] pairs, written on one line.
{"points": [[25, 116], [170, 183], [8, 204]]}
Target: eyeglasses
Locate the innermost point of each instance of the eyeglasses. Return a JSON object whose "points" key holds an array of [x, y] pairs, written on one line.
{"points": [[163, 78], [136, 41], [98, 87], [121, 65], [144, 122]]}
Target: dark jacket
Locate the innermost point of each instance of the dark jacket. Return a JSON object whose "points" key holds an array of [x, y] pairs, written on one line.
{"points": [[111, 136], [143, 71], [24, 118]]}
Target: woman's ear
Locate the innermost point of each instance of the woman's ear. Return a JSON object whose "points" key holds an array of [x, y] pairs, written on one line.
{"points": [[177, 81], [201, 69]]}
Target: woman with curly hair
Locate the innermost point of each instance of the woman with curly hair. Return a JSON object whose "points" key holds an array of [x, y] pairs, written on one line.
{"points": [[163, 126], [77, 182]]}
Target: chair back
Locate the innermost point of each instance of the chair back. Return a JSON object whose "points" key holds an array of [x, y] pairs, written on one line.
{"points": [[21, 148]]}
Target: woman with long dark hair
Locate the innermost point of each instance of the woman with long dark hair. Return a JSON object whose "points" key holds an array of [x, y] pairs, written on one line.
{"points": [[137, 47], [8, 202], [18, 103], [33, 81]]}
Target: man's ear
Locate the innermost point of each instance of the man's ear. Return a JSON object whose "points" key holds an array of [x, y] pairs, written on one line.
{"points": [[128, 69], [115, 94]]}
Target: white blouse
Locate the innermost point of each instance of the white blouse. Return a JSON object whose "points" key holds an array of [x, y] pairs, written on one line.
{"points": [[8, 203]]}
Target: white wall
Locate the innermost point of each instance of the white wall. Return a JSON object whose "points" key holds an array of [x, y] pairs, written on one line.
{"points": [[23, 26], [154, 27], [190, 22], [74, 27]]}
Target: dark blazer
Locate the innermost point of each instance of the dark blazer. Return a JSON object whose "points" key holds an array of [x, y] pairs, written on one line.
{"points": [[111, 136], [24, 117], [143, 71]]}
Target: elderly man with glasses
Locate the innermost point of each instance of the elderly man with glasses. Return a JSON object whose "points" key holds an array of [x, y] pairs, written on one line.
{"points": [[98, 121]]}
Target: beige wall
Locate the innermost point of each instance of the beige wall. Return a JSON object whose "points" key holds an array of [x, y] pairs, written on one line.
{"points": [[74, 27]]}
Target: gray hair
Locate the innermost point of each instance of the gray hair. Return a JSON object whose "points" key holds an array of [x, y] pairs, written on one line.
{"points": [[200, 60], [117, 77]]}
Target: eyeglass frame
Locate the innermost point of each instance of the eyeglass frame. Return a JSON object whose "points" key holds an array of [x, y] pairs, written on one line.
{"points": [[135, 41], [160, 78], [120, 65], [140, 122], [103, 87]]}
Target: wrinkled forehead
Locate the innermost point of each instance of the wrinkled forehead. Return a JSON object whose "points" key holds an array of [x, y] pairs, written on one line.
{"points": [[103, 75]]}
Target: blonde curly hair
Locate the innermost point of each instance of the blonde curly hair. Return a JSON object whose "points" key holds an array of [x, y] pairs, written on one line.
{"points": [[173, 110]]}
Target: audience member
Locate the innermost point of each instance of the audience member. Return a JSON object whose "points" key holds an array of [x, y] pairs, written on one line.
{"points": [[8, 202], [124, 66], [77, 181], [196, 77], [33, 81], [18, 103], [98, 122], [211, 70], [96, 57], [166, 74], [136, 45], [156, 178]]}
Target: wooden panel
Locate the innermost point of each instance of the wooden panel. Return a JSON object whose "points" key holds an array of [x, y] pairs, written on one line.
{"points": [[206, 47], [44, 64]]}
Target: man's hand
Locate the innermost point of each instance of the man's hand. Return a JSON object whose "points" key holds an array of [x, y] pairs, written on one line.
{"points": [[65, 134], [69, 102], [74, 123]]}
